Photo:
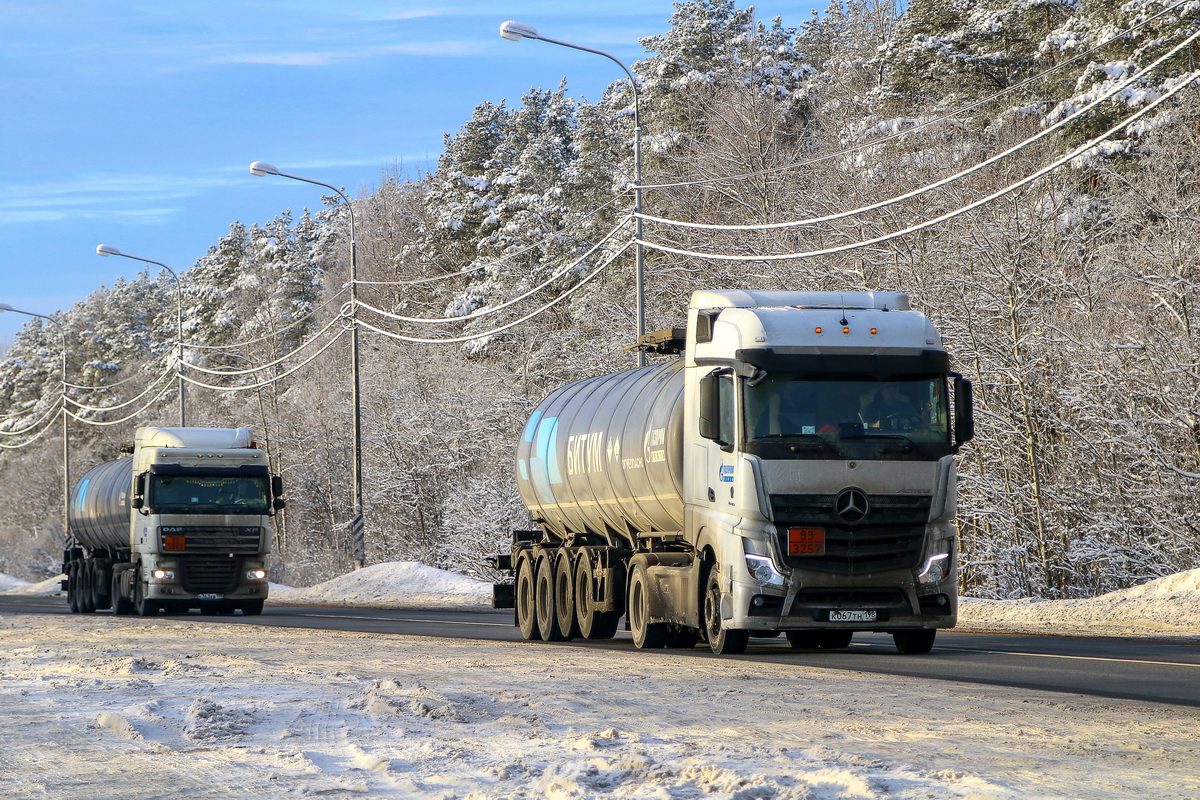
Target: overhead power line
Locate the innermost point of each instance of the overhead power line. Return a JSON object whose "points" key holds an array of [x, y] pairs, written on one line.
{"points": [[279, 377], [104, 409], [512, 301], [1179, 87], [501, 329], [1075, 115]]}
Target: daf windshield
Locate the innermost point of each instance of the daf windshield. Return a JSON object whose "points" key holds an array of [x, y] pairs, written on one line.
{"points": [[196, 494], [848, 416]]}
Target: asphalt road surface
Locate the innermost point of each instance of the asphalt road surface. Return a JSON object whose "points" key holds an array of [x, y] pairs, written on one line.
{"points": [[1154, 670]]}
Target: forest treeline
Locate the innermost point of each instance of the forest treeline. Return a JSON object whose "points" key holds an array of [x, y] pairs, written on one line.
{"points": [[1071, 300]]}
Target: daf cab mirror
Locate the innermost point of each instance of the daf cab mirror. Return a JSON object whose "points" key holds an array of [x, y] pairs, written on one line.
{"points": [[279, 504], [138, 500], [277, 487], [964, 411]]}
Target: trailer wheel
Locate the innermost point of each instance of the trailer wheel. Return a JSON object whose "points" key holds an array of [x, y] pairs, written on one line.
{"points": [[593, 624], [564, 597], [73, 586], [914, 642], [523, 602], [87, 594], [722, 640], [647, 635], [122, 606], [543, 600]]}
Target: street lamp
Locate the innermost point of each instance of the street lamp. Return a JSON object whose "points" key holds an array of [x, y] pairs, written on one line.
{"points": [[357, 524], [107, 250], [66, 432], [515, 31]]}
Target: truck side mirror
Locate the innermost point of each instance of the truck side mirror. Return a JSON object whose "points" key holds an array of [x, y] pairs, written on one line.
{"points": [[710, 408], [138, 500], [277, 487], [964, 411], [279, 504]]}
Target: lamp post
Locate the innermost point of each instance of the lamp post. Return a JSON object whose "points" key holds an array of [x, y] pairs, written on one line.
{"points": [[357, 524], [65, 417], [107, 250], [515, 31]]}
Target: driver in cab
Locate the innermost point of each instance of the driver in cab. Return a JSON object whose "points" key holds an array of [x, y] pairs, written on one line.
{"points": [[890, 409]]}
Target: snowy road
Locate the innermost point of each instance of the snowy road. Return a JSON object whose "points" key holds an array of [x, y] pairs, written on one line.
{"points": [[104, 707], [1137, 669]]}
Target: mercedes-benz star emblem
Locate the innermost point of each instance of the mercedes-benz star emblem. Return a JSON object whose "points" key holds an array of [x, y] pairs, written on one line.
{"points": [[851, 506]]}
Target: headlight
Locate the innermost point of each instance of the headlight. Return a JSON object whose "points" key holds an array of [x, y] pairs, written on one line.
{"points": [[759, 565], [256, 575], [163, 575], [935, 569]]}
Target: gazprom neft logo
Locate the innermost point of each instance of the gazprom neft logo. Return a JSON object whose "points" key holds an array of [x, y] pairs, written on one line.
{"points": [[726, 473]]}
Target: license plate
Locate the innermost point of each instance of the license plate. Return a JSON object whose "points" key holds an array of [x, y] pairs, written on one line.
{"points": [[210, 597], [853, 616], [806, 541]]}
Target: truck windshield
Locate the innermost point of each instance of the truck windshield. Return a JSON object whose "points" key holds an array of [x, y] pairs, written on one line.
{"points": [[195, 494], [888, 416]]}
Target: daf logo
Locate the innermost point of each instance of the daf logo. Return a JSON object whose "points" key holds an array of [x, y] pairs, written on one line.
{"points": [[851, 506]]}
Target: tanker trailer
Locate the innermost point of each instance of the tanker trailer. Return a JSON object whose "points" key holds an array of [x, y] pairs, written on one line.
{"points": [[183, 522], [792, 470]]}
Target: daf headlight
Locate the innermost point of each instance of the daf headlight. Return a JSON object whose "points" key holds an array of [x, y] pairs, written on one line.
{"points": [[256, 575], [935, 569], [163, 575], [759, 564]]}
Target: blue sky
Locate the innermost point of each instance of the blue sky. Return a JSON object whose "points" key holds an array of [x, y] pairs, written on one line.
{"points": [[133, 123]]}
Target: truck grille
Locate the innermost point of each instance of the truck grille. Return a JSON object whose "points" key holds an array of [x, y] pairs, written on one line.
{"points": [[242, 540], [209, 575], [891, 538]]}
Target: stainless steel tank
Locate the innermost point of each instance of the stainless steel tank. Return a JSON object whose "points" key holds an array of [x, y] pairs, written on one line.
{"points": [[99, 512], [605, 455]]}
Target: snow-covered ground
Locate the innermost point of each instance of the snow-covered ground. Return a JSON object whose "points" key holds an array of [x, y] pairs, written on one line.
{"points": [[99, 706]]}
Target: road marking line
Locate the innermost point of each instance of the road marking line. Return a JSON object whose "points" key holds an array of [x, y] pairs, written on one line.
{"points": [[1048, 655]]}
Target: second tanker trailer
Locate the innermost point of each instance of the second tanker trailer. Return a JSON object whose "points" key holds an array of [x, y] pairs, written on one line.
{"points": [[792, 471]]}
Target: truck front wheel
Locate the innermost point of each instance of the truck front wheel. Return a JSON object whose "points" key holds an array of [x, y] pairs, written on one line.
{"points": [[722, 640], [144, 607], [914, 642]]}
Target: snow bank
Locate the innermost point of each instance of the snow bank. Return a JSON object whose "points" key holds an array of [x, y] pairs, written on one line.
{"points": [[11, 585], [8, 583], [1167, 606], [403, 584]]}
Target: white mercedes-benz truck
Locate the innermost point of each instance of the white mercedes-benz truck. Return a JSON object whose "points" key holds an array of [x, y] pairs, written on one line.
{"points": [[791, 472], [184, 522]]}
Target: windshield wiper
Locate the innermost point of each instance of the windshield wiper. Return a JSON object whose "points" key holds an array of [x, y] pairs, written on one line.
{"points": [[811, 441]]}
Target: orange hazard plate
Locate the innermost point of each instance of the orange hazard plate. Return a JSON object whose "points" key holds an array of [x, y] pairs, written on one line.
{"points": [[806, 541]]}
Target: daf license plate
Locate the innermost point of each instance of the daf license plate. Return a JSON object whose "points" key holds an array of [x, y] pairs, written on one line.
{"points": [[853, 616], [210, 597]]}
